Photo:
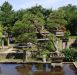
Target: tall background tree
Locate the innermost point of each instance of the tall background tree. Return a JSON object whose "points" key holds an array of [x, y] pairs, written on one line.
{"points": [[7, 16], [71, 17], [56, 20]]}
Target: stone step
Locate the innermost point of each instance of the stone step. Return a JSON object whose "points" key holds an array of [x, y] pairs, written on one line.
{"points": [[57, 64]]}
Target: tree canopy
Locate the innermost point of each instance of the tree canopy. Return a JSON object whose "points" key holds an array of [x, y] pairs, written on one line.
{"points": [[7, 16], [32, 19], [56, 20], [71, 17]]}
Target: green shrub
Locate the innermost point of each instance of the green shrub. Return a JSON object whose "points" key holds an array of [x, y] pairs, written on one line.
{"points": [[44, 52], [69, 54]]}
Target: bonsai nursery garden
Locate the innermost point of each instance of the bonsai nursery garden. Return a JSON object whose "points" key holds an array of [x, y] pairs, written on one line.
{"points": [[38, 40]]}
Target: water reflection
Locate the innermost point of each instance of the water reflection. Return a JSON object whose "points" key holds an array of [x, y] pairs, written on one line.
{"points": [[67, 70], [8, 69], [24, 69], [46, 67], [35, 69]]}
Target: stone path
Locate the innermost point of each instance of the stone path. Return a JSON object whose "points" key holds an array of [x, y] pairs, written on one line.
{"points": [[69, 43], [75, 63], [9, 50]]}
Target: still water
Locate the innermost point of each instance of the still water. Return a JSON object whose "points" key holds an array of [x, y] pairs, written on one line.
{"points": [[36, 69]]}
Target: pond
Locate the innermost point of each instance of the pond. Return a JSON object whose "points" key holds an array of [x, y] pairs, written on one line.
{"points": [[36, 69]]}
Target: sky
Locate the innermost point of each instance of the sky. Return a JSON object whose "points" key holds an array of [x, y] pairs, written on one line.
{"points": [[54, 4]]}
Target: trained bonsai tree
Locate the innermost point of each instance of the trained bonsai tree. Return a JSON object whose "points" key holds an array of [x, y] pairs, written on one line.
{"points": [[44, 54]]}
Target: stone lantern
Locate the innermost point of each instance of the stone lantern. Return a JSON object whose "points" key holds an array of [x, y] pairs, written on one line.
{"points": [[65, 40], [5, 35]]}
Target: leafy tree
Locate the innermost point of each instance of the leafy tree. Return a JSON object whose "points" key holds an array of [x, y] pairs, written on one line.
{"points": [[7, 16], [56, 20], [37, 9], [71, 17], [19, 14], [38, 13]]}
